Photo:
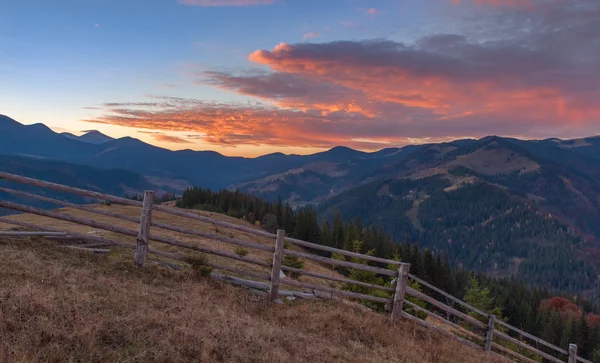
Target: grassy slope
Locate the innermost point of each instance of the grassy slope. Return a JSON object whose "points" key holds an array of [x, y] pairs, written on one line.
{"points": [[59, 305], [178, 221]]}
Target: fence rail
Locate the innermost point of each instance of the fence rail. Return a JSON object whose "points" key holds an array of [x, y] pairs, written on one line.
{"points": [[472, 326]]}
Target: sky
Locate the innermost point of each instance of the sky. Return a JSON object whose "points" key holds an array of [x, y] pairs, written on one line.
{"points": [[251, 77]]}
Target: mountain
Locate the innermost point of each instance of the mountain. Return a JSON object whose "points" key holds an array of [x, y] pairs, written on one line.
{"points": [[493, 205], [172, 168], [91, 137], [110, 181]]}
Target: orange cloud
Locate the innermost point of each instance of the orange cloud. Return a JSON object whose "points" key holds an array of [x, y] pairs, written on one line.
{"points": [[258, 125], [170, 139], [226, 2], [449, 76]]}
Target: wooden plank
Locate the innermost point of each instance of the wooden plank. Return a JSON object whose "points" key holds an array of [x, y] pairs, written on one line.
{"points": [[331, 261], [442, 331], [401, 285], [128, 232], [102, 240], [489, 337], [512, 353], [256, 275], [532, 337], [70, 205], [32, 234], [191, 215], [442, 306], [94, 244], [572, 353], [335, 278], [96, 250], [64, 188], [241, 282], [445, 294], [61, 238], [526, 346], [142, 237], [276, 267], [334, 291], [215, 237], [444, 321], [579, 359], [174, 242], [315, 246]]}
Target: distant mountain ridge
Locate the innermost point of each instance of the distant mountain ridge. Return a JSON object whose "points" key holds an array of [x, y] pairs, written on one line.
{"points": [[206, 168], [91, 136]]}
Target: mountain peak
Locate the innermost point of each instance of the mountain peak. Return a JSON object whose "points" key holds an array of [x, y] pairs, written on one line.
{"points": [[95, 137]]}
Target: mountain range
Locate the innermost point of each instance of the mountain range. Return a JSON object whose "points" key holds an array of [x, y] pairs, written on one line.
{"points": [[499, 205]]}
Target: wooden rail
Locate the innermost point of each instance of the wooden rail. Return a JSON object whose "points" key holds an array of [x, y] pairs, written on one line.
{"points": [[397, 303]]}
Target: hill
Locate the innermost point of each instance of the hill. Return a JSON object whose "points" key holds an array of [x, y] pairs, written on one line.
{"points": [[111, 181], [88, 308], [493, 206]]}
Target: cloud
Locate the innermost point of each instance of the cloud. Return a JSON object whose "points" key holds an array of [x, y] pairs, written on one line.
{"points": [[170, 139], [499, 3], [226, 2], [310, 36], [290, 91], [545, 77], [538, 80], [257, 124]]}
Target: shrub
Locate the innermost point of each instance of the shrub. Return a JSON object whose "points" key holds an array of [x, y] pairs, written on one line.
{"points": [[295, 262], [241, 251], [199, 265]]}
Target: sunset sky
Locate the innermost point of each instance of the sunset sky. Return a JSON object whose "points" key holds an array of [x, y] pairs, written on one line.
{"points": [[250, 77]]}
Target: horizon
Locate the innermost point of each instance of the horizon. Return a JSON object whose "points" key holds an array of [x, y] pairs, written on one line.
{"points": [[256, 77], [311, 153]]}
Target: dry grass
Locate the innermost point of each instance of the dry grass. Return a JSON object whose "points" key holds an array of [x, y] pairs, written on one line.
{"points": [[177, 221], [59, 305]]}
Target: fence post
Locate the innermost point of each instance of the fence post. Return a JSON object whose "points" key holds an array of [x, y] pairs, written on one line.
{"points": [[489, 338], [141, 248], [401, 284], [276, 268], [572, 353]]}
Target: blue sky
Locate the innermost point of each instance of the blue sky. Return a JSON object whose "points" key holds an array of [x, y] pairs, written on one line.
{"points": [[62, 62]]}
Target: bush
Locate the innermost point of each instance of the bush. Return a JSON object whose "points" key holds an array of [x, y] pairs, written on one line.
{"points": [[295, 262], [241, 251], [199, 265]]}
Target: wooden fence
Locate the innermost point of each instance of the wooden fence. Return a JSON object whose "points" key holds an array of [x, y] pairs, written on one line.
{"points": [[453, 318]]}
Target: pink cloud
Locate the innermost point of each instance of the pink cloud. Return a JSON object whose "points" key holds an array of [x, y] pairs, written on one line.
{"points": [[310, 36], [226, 2]]}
